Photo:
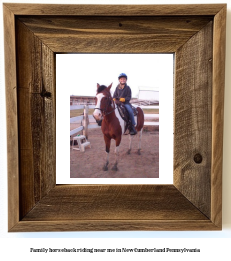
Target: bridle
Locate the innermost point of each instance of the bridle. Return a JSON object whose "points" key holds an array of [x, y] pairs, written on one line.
{"points": [[104, 110]]}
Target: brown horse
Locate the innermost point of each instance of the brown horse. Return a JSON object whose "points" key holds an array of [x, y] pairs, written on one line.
{"points": [[107, 115]]}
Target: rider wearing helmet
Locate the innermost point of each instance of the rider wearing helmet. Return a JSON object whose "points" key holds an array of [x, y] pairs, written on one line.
{"points": [[123, 93]]}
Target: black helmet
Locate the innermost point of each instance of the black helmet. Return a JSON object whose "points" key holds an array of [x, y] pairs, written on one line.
{"points": [[122, 75]]}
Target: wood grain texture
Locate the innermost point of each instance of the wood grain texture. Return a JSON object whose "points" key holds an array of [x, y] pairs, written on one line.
{"points": [[193, 113], [114, 10], [111, 207], [194, 201], [218, 115], [11, 116], [114, 225], [35, 66], [103, 34], [113, 202]]}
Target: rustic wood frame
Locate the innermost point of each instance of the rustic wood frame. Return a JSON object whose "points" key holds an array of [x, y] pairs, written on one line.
{"points": [[33, 34]]}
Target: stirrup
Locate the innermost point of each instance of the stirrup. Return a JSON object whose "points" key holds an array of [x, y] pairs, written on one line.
{"points": [[133, 131]]}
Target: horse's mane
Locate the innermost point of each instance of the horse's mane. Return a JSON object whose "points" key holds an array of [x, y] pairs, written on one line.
{"points": [[101, 88]]}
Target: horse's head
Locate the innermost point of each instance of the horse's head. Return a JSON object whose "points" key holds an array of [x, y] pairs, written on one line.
{"points": [[103, 102]]}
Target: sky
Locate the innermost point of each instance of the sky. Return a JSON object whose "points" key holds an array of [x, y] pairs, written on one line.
{"points": [[80, 73]]}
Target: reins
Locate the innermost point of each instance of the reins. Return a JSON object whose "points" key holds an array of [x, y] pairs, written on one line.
{"points": [[104, 111]]}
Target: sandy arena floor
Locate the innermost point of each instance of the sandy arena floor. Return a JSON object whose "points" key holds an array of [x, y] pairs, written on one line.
{"points": [[89, 164]]}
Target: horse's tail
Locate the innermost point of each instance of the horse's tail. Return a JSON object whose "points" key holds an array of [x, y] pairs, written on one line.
{"points": [[140, 119]]}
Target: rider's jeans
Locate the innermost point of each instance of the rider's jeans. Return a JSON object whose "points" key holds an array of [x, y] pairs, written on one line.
{"points": [[130, 111]]}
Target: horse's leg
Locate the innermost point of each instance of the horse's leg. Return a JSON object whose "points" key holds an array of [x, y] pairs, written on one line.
{"points": [[107, 143], [130, 144], [116, 161], [139, 145], [118, 140]]}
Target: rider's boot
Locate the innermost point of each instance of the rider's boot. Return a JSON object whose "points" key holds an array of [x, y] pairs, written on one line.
{"points": [[133, 130]]}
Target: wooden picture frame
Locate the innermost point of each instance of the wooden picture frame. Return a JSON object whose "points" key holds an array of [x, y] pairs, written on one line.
{"points": [[34, 34]]}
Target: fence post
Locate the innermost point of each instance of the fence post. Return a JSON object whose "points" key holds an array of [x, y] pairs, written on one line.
{"points": [[85, 121]]}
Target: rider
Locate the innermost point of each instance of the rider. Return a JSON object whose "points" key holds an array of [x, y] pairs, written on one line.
{"points": [[123, 93]]}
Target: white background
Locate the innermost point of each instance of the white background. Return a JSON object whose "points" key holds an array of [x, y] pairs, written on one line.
{"points": [[214, 245], [78, 74]]}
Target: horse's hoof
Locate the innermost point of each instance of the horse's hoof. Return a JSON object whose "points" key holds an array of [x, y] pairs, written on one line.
{"points": [[105, 168], [114, 168], [129, 152], [139, 153]]}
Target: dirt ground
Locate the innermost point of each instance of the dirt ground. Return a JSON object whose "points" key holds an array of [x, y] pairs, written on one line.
{"points": [[89, 164]]}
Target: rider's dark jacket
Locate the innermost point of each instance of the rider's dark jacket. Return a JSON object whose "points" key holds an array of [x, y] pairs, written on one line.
{"points": [[123, 93]]}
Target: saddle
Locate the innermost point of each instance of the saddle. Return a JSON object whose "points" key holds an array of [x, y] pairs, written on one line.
{"points": [[125, 116]]}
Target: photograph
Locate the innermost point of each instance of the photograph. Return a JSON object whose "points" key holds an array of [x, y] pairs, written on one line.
{"points": [[114, 112]]}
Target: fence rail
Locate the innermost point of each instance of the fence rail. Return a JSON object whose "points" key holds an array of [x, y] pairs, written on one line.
{"points": [[147, 107], [87, 121], [76, 130], [78, 107]]}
